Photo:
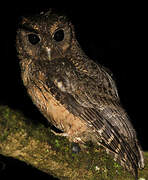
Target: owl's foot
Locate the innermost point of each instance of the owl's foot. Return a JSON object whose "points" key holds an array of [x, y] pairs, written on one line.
{"points": [[59, 134], [76, 148], [75, 141]]}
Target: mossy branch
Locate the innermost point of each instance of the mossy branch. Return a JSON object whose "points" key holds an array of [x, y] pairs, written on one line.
{"points": [[34, 144]]}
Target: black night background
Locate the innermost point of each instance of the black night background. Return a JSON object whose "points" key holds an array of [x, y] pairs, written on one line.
{"points": [[114, 41]]}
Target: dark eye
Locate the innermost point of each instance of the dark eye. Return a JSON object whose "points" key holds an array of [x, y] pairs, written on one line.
{"points": [[59, 35], [33, 39]]}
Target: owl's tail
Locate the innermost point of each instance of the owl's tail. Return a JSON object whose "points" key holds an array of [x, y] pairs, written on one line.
{"points": [[131, 159], [141, 157]]}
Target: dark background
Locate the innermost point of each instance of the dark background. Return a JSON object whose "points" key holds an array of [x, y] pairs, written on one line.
{"points": [[113, 40]]}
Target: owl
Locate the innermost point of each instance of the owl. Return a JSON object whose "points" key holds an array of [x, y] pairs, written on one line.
{"points": [[75, 94]]}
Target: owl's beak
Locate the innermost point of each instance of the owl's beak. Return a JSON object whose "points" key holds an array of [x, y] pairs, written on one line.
{"points": [[48, 52]]}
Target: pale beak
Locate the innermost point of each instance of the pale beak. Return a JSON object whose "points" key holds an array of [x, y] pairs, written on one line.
{"points": [[48, 53]]}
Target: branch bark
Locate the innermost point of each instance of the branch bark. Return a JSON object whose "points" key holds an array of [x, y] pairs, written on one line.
{"points": [[35, 144]]}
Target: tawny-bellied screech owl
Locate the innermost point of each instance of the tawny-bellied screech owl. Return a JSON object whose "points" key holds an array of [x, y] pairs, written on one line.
{"points": [[75, 94]]}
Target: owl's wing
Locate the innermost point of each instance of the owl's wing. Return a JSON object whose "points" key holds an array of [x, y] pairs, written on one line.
{"points": [[104, 115]]}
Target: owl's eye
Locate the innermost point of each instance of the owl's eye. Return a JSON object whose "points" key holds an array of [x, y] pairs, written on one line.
{"points": [[33, 39], [59, 35]]}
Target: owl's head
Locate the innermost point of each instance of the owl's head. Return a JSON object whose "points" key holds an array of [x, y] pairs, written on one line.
{"points": [[44, 36]]}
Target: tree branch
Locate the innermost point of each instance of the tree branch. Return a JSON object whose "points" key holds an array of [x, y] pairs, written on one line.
{"points": [[35, 144]]}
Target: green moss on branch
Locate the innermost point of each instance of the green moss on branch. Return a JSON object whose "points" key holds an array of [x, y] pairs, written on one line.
{"points": [[34, 144]]}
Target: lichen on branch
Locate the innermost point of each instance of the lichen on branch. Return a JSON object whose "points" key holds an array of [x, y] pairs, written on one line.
{"points": [[36, 145]]}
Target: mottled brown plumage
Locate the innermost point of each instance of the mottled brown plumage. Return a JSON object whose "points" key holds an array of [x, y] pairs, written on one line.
{"points": [[75, 94]]}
